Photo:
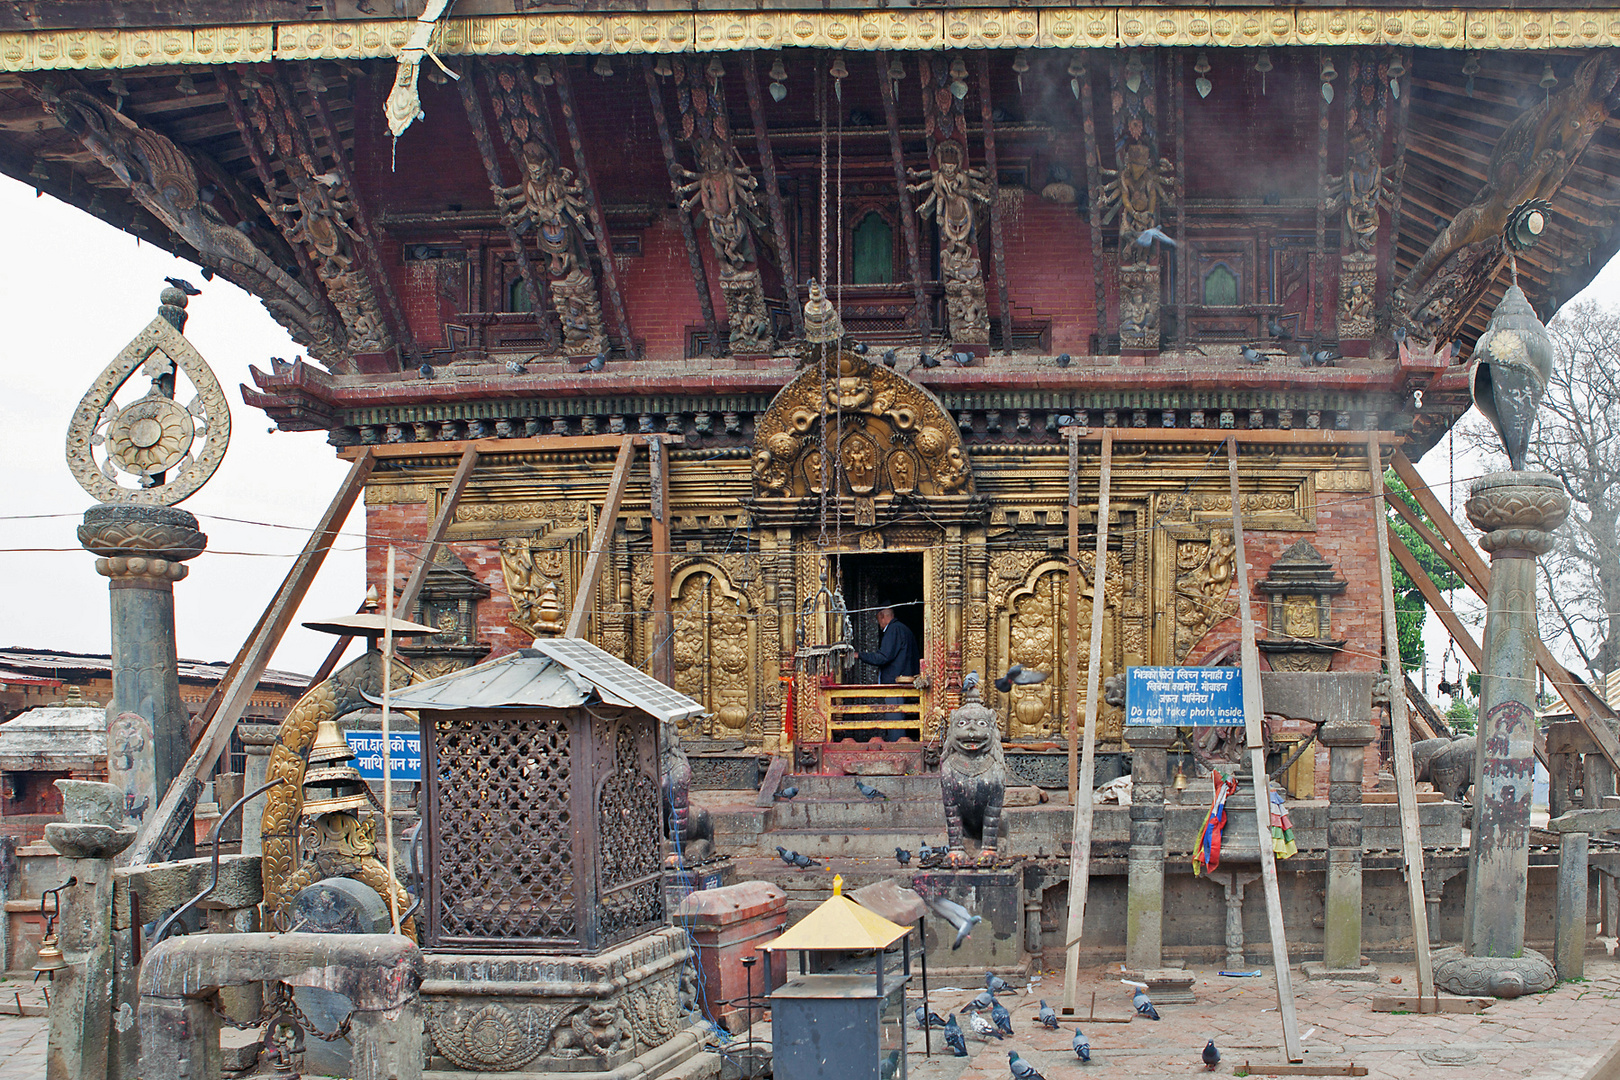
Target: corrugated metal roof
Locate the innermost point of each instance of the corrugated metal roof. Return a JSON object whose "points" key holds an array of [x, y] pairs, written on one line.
{"points": [[47, 662], [548, 676]]}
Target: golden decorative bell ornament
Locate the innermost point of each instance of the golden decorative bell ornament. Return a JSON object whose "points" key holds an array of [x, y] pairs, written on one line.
{"points": [[331, 783], [821, 322], [1181, 779], [50, 959]]}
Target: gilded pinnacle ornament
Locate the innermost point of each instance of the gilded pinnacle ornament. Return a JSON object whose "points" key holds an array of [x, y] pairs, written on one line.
{"points": [[821, 322]]}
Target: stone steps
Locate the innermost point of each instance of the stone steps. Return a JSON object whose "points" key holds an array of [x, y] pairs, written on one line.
{"points": [[817, 786], [819, 843], [877, 815]]}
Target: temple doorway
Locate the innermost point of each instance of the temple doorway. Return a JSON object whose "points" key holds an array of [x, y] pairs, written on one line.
{"points": [[882, 579]]}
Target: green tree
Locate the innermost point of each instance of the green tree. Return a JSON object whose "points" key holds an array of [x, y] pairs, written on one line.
{"points": [[1410, 608], [1463, 715]]}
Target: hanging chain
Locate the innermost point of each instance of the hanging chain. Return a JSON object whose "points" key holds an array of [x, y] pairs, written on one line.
{"points": [[838, 460], [281, 1003], [821, 107]]}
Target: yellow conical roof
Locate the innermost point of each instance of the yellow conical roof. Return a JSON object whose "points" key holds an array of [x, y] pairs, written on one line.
{"points": [[840, 924]]}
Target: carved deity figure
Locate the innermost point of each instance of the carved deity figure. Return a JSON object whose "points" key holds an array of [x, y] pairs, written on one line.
{"points": [[953, 190], [724, 190], [551, 200], [1135, 193], [1360, 191]]}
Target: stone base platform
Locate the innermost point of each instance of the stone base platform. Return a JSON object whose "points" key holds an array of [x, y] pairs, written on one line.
{"points": [[1166, 986], [1317, 970]]}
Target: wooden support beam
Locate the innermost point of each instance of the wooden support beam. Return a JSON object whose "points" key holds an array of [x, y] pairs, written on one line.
{"points": [[539, 301], [593, 204], [599, 541], [998, 247], [663, 622], [908, 216], [1400, 733], [1088, 124], [786, 258], [533, 444], [1073, 613], [173, 814], [1080, 847], [1253, 712], [1463, 568], [694, 257], [1425, 718]]}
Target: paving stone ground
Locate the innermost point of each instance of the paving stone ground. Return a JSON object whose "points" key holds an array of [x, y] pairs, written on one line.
{"points": [[22, 1038]]}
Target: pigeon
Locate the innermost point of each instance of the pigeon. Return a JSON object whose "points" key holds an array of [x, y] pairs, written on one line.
{"points": [[595, 363], [890, 358], [1018, 675], [1278, 330], [868, 790], [962, 359], [785, 855], [1064, 360], [983, 1028], [184, 286], [859, 348], [1146, 237], [804, 862], [926, 361], [1047, 1017], [1326, 357], [1399, 335], [1144, 1007], [515, 368], [924, 851], [970, 681], [891, 1065], [1305, 355], [958, 916], [983, 1001], [1250, 356], [902, 856], [1212, 1056], [996, 984], [932, 1019], [1082, 1046], [1066, 420], [278, 366], [787, 793], [426, 370], [1001, 1017], [953, 1037], [1021, 1069]]}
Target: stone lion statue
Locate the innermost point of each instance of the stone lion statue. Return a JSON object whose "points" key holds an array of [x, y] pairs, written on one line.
{"points": [[973, 778]]}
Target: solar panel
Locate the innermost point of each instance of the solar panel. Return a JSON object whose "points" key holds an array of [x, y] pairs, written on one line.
{"points": [[618, 677]]}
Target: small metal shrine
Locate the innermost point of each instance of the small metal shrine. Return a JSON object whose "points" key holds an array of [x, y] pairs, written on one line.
{"points": [[840, 1027], [542, 801]]}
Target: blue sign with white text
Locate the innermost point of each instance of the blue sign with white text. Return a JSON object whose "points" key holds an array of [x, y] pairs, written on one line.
{"points": [[1184, 696], [404, 752]]}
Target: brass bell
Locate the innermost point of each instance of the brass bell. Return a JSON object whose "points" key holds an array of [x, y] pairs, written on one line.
{"points": [[50, 959], [1181, 779]]}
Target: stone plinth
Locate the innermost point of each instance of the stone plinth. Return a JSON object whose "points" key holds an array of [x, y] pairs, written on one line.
{"points": [[727, 925], [1346, 741], [1144, 926]]}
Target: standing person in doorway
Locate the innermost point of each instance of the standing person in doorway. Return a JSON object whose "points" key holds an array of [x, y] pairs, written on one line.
{"points": [[896, 659]]}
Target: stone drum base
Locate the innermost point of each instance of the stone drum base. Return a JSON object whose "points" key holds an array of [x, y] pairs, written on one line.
{"points": [[1499, 976]]}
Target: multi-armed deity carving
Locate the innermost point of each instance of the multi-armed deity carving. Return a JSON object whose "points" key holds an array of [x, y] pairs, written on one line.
{"points": [[722, 191], [163, 178], [955, 191], [1359, 191], [1137, 192], [549, 200]]}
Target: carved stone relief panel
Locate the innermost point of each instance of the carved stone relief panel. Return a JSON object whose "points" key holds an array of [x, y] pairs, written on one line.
{"points": [[541, 565], [718, 647], [1204, 567]]}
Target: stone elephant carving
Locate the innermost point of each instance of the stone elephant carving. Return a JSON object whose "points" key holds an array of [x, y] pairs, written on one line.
{"points": [[1448, 764]]}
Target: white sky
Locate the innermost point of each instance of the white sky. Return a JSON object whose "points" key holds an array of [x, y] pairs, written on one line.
{"points": [[72, 294]]}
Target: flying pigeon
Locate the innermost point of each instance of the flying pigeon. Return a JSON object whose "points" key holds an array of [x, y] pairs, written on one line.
{"points": [[933, 1019], [1277, 329], [868, 790], [785, 855], [184, 286], [983, 1001], [515, 368], [890, 358], [1146, 237], [1021, 1069], [1250, 356], [595, 363], [1082, 1046], [953, 1037], [983, 1028], [958, 916], [426, 370], [1002, 1018], [1212, 1056], [996, 984], [1047, 1017], [787, 793], [902, 856], [1064, 360], [1018, 675], [1144, 1006]]}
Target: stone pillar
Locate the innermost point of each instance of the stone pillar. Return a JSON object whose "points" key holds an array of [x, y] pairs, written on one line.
{"points": [[142, 549], [1346, 741], [1517, 513], [1569, 924], [1144, 919], [257, 740]]}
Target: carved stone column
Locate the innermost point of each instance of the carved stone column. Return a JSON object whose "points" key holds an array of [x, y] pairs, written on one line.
{"points": [[257, 739], [142, 550], [1517, 512], [1144, 919], [1346, 741]]}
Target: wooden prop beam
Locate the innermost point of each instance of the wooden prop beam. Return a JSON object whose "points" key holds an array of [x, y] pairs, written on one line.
{"points": [[908, 216], [998, 248], [694, 257], [173, 814], [370, 234], [1080, 849], [593, 203], [599, 541], [539, 302], [663, 621], [1072, 612], [1591, 710], [786, 259], [1253, 710], [1401, 733]]}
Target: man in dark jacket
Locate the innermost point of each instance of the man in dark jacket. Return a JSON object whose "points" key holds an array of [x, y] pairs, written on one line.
{"points": [[896, 659]]}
